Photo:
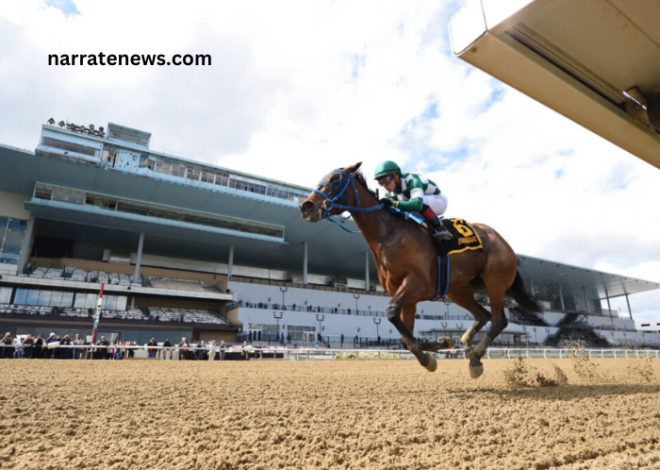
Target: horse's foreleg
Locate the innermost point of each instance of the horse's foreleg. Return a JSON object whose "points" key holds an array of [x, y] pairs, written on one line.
{"points": [[481, 315], [397, 314]]}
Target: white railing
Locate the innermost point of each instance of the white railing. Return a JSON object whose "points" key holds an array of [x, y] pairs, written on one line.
{"points": [[313, 353]]}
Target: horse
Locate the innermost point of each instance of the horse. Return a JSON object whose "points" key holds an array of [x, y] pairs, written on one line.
{"points": [[406, 259]]}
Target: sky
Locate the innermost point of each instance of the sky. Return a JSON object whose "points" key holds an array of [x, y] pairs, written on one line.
{"points": [[298, 88]]}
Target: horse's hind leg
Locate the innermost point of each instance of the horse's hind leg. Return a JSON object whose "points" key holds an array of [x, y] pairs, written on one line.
{"points": [[482, 316], [498, 323]]}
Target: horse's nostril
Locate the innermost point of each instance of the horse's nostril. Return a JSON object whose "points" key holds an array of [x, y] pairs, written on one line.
{"points": [[307, 206]]}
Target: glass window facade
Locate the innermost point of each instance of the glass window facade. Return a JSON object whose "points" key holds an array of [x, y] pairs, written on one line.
{"points": [[5, 295], [53, 298], [12, 232]]}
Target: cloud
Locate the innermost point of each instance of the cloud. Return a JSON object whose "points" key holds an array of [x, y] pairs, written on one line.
{"points": [[298, 88]]}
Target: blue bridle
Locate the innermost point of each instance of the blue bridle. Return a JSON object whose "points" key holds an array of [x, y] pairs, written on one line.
{"points": [[336, 184]]}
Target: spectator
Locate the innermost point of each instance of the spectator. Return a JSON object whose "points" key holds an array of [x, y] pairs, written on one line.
{"points": [[28, 347], [342, 340], [222, 348], [212, 350], [51, 345], [245, 351], [183, 349], [151, 352], [66, 353], [131, 350], [38, 346], [102, 352], [7, 351], [167, 349], [77, 341], [18, 348], [288, 337]]}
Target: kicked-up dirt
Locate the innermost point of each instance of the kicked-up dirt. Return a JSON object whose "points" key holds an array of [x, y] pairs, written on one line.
{"points": [[389, 414]]}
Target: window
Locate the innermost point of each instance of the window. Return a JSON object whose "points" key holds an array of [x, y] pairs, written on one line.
{"points": [[21, 297], [44, 298], [56, 299], [11, 239], [67, 299], [32, 297], [69, 196], [5, 295], [69, 147], [207, 177]]}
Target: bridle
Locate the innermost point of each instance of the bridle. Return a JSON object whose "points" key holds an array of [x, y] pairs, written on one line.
{"points": [[332, 201]]}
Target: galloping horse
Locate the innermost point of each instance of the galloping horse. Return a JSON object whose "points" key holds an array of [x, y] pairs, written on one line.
{"points": [[405, 257]]}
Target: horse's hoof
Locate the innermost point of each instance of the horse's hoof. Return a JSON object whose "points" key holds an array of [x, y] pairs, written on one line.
{"points": [[432, 365], [476, 371]]}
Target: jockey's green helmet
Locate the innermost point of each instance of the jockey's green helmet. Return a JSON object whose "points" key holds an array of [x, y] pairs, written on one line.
{"points": [[387, 167]]}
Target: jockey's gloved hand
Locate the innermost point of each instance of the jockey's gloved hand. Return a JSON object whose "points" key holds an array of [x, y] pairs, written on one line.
{"points": [[387, 201]]}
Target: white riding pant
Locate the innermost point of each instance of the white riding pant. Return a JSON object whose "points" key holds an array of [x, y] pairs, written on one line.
{"points": [[437, 202]]}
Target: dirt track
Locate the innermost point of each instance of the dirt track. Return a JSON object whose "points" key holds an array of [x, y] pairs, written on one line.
{"points": [[348, 414]]}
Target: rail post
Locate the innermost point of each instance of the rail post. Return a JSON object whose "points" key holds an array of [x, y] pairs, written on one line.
{"points": [[590, 354], [545, 354], [308, 354]]}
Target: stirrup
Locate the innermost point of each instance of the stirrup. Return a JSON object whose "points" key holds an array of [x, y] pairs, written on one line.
{"points": [[443, 234]]}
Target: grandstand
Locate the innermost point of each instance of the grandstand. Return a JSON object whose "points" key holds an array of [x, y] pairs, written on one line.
{"points": [[189, 249]]}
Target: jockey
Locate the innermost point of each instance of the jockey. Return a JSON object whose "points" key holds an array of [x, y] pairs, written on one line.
{"points": [[411, 192]]}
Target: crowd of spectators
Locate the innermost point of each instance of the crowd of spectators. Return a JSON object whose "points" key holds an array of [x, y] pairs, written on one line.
{"points": [[50, 348]]}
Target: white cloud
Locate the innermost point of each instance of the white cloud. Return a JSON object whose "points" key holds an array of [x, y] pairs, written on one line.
{"points": [[297, 88]]}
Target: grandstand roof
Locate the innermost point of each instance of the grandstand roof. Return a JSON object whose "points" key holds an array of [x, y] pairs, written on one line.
{"points": [[597, 62]]}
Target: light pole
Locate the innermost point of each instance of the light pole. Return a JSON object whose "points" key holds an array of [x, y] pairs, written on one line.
{"points": [[460, 329], [444, 328], [278, 316], [536, 340], [377, 323], [447, 302], [283, 291], [525, 332], [356, 297], [547, 334]]}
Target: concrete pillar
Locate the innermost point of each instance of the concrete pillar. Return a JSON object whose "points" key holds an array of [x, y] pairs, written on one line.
{"points": [[138, 260], [230, 264], [629, 311], [366, 272], [609, 309], [561, 298], [305, 260], [25, 247], [586, 302]]}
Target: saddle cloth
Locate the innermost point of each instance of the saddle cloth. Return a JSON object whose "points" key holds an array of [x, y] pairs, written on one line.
{"points": [[465, 236]]}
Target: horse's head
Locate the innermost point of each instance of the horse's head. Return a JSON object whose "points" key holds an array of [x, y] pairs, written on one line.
{"points": [[334, 186]]}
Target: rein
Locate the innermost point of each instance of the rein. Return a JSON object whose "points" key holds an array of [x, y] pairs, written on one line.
{"points": [[335, 205]]}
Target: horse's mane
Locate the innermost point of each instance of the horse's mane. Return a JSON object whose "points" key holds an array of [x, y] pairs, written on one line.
{"points": [[361, 179]]}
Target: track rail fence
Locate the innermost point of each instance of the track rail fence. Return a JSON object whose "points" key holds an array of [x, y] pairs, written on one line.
{"points": [[310, 354]]}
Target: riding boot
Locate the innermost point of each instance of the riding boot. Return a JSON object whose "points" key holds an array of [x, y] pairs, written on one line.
{"points": [[440, 231]]}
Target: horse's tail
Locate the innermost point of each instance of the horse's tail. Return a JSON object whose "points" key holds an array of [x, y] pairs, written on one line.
{"points": [[519, 294]]}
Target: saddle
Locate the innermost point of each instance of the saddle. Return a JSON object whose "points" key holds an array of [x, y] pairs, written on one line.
{"points": [[465, 238]]}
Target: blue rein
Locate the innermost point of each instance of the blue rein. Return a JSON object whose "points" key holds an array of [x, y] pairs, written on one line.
{"points": [[333, 200]]}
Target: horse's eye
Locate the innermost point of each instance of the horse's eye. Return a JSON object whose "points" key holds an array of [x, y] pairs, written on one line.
{"points": [[336, 182]]}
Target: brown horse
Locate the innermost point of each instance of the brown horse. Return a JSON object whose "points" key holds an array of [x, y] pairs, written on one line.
{"points": [[406, 259]]}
